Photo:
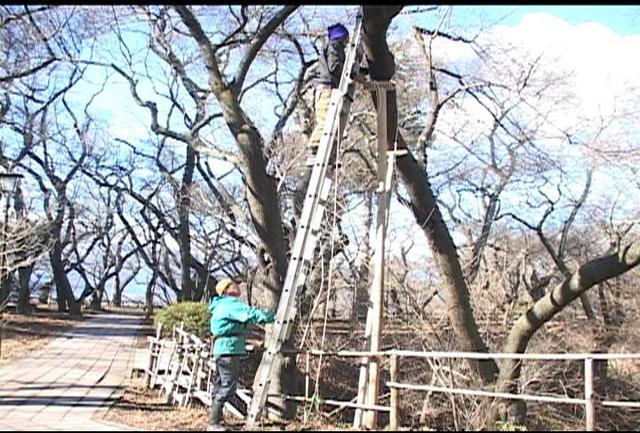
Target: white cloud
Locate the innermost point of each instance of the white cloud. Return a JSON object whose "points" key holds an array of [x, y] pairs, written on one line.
{"points": [[606, 65], [601, 88], [588, 75]]}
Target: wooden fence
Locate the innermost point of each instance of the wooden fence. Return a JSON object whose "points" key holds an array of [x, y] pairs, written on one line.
{"points": [[183, 369], [589, 401]]}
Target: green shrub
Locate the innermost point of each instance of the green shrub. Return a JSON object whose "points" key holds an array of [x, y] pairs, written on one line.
{"points": [[194, 315]]}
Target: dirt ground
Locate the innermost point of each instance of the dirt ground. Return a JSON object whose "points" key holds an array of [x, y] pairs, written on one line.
{"points": [[22, 334], [139, 407], [145, 409], [142, 408]]}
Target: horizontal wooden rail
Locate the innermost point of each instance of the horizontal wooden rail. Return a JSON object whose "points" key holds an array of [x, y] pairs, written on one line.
{"points": [[186, 343], [470, 355], [620, 403], [589, 401], [527, 356], [485, 393], [340, 353], [336, 403]]}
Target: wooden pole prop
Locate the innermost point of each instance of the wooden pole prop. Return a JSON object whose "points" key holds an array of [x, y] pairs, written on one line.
{"points": [[377, 290]]}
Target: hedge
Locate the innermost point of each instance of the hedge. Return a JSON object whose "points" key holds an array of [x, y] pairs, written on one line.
{"points": [[194, 315]]}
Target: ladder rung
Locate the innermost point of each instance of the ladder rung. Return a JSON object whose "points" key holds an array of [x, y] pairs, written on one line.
{"points": [[397, 152], [374, 85]]}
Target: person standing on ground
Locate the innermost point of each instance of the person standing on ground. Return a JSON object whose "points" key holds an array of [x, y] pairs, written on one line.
{"points": [[229, 319]]}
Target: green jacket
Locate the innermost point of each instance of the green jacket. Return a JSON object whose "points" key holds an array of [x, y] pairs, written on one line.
{"points": [[229, 319]]}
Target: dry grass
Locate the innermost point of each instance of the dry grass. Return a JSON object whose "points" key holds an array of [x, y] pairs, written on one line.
{"points": [[22, 334], [145, 409]]}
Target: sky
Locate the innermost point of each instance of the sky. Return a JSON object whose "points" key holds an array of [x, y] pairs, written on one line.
{"points": [[622, 19], [600, 42]]}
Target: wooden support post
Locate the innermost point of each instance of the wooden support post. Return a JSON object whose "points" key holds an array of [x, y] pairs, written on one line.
{"points": [[363, 378], [306, 376], [394, 419], [377, 290], [589, 406]]}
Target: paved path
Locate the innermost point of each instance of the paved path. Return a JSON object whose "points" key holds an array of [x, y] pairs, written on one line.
{"points": [[72, 379]]}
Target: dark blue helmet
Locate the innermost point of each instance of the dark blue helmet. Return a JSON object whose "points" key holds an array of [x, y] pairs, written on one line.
{"points": [[338, 31]]}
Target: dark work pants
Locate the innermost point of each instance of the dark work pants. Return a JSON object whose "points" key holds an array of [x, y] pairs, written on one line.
{"points": [[226, 380]]}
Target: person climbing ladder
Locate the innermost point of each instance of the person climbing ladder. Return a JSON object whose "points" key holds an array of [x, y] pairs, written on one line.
{"points": [[327, 79]]}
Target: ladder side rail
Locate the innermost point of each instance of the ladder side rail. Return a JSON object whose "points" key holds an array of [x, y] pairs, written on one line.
{"points": [[334, 126], [286, 311], [311, 202], [285, 308], [295, 276]]}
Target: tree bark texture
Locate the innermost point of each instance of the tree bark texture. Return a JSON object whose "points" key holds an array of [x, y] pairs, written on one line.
{"points": [[423, 203], [184, 204], [589, 274], [260, 188], [66, 298], [62, 281], [24, 292]]}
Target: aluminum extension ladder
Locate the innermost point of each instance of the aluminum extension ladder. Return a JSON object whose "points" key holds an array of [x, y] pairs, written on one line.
{"points": [[311, 217]]}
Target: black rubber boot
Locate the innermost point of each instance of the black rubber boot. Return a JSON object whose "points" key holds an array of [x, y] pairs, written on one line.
{"points": [[215, 417]]}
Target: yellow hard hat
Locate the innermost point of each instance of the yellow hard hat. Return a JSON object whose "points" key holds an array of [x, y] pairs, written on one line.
{"points": [[222, 285]]}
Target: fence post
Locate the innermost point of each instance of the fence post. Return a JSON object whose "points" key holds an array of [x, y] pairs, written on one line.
{"points": [[589, 402], [395, 394], [306, 378], [153, 357]]}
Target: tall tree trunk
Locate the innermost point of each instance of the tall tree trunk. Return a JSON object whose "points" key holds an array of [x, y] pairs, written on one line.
{"points": [[423, 203], [117, 292], [24, 292], [148, 311], [603, 336], [184, 204], [96, 300], [62, 282], [5, 288], [61, 300], [117, 298], [363, 280], [260, 188], [589, 274]]}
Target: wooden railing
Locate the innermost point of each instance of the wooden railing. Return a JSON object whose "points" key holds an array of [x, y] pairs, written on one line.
{"points": [[589, 401], [183, 368], [189, 358]]}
